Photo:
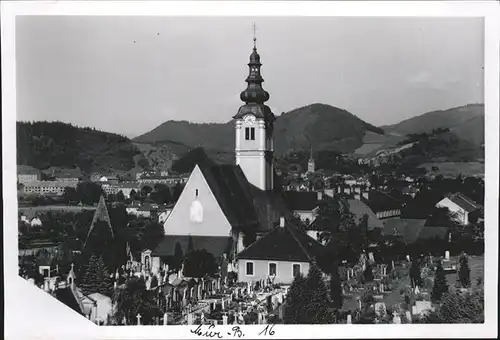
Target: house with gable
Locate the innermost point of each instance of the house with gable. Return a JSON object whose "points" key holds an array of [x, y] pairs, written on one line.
{"points": [[279, 256], [224, 208], [462, 207]]}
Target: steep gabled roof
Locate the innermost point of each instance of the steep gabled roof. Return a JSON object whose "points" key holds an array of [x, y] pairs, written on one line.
{"points": [[287, 243], [464, 202], [301, 200], [101, 214], [232, 191], [66, 296]]}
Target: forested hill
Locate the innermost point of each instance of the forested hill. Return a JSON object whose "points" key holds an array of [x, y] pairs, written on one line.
{"points": [[45, 144], [320, 126]]}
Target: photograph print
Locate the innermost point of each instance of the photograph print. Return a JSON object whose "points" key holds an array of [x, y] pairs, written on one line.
{"points": [[252, 170]]}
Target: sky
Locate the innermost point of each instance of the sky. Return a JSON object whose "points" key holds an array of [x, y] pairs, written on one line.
{"points": [[128, 75]]}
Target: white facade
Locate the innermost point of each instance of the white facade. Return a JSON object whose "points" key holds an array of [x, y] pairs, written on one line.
{"points": [[460, 214], [252, 145], [197, 212], [256, 270], [48, 187]]}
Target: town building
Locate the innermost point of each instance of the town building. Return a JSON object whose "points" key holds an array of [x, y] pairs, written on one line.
{"points": [[462, 207], [45, 188], [279, 256], [28, 174], [125, 187], [224, 207]]}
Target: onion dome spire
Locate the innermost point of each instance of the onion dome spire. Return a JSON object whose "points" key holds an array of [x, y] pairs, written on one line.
{"points": [[254, 93]]}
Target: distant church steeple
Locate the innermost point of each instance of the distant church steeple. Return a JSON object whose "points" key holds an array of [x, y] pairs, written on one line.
{"points": [[311, 166], [101, 215], [254, 128]]}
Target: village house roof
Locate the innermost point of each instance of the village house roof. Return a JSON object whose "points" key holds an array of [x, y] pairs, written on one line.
{"points": [[301, 200], [27, 170], [359, 209], [66, 296], [379, 201], [287, 243], [412, 230], [464, 202]]}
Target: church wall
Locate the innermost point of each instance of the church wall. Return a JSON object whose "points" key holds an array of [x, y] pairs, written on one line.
{"points": [[253, 166], [210, 221]]}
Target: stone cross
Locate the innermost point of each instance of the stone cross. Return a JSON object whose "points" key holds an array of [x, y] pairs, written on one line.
{"points": [[138, 319], [72, 266]]}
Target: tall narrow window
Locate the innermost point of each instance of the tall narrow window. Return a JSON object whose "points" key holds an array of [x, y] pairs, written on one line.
{"points": [[249, 268], [272, 269], [252, 133], [296, 269], [247, 133], [196, 192]]}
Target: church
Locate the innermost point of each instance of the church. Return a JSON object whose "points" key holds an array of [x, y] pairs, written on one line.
{"points": [[225, 208]]}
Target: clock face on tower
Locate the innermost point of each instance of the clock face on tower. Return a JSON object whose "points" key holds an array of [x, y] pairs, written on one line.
{"points": [[249, 119]]}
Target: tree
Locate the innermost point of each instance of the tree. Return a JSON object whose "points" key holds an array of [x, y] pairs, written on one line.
{"points": [[177, 191], [178, 256], [415, 275], [199, 263], [95, 278], [88, 192], [152, 234], [295, 301], [161, 194], [368, 273], [440, 286], [458, 308], [316, 307], [336, 288], [120, 197], [146, 190], [464, 271], [134, 299], [133, 195]]}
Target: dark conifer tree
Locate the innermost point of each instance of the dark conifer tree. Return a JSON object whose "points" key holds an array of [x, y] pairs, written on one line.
{"points": [[295, 301], [96, 278], [316, 307], [336, 288], [440, 286], [464, 271]]}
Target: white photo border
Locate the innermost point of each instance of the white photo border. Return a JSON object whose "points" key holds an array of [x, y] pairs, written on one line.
{"points": [[31, 313]]}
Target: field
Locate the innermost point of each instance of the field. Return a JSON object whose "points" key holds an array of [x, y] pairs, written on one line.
{"points": [[455, 168]]}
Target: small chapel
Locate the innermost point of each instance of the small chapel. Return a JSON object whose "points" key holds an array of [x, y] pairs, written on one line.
{"points": [[226, 208]]}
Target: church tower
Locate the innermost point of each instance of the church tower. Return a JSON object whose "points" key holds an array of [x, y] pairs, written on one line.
{"points": [[254, 128], [311, 166]]}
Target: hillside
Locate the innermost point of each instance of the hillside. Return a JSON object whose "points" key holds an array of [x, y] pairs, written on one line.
{"points": [[320, 126], [467, 122], [55, 144]]}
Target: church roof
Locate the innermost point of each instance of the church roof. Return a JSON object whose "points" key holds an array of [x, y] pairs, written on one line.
{"points": [[301, 200], [244, 205], [216, 245], [287, 243], [101, 214], [66, 296]]}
